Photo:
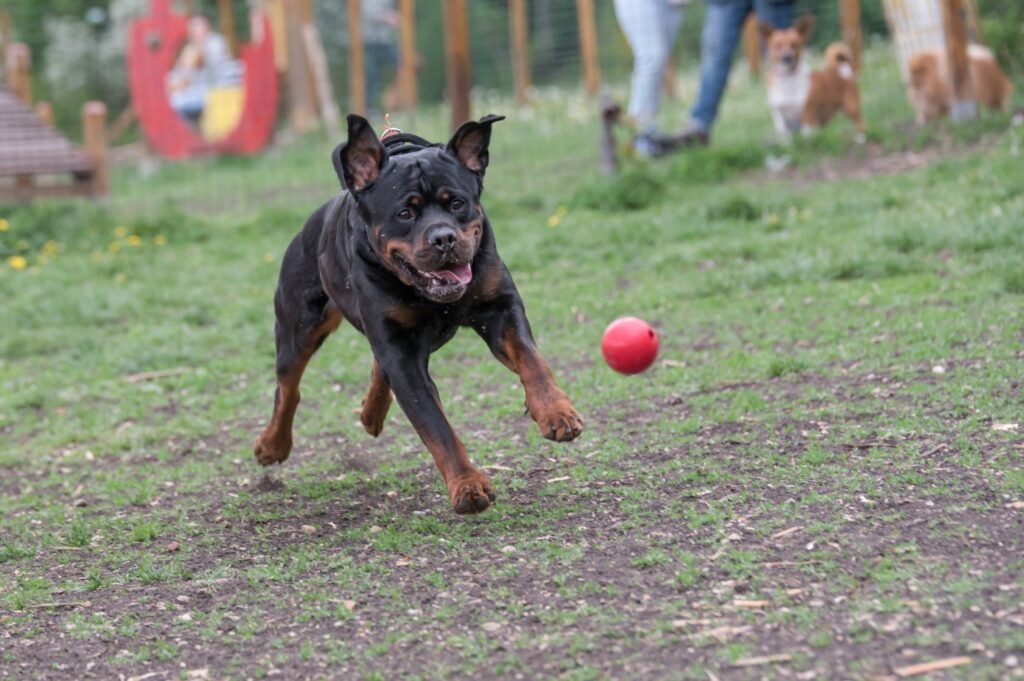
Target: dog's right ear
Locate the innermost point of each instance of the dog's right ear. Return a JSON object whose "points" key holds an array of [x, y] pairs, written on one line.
{"points": [[358, 162], [804, 25], [766, 29]]}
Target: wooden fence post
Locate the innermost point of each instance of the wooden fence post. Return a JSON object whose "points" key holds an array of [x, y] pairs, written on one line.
{"points": [[752, 44], [408, 90], [588, 44], [226, 20], [17, 61], [456, 48], [519, 28], [356, 59], [45, 113], [302, 109], [849, 10], [94, 135], [954, 25]]}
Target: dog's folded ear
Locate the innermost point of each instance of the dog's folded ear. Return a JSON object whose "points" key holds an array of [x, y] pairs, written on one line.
{"points": [[804, 25], [470, 141], [358, 162], [766, 29]]}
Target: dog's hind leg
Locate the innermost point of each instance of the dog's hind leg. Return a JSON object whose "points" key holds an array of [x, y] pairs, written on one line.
{"points": [[304, 320], [377, 402]]}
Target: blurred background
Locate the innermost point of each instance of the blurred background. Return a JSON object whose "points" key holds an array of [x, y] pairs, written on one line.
{"points": [[291, 69]]}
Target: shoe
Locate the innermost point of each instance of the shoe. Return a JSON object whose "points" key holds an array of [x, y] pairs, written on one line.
{"points": [[648, 145], [691, 136]]}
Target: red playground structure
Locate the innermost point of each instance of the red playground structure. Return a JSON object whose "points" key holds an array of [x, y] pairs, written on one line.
{"points": [[237, 119]]}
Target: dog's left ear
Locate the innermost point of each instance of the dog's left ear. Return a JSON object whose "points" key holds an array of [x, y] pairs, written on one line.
{"points": [[804, 25], [469, 143], [358, 162], [766, 29]]}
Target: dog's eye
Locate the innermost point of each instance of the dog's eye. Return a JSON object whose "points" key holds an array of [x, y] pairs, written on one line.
{"points": [[456, 204], [405, 214]]}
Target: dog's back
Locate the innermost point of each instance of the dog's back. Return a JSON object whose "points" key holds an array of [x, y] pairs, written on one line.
{"points": [[930, 91], [833, 89]]}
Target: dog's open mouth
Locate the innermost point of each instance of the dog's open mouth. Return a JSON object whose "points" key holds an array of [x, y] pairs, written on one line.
{"points": [[444, 284]]}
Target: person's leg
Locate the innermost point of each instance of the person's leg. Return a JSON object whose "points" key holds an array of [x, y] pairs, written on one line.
{"points": [[650, 27], [189, 102], [722, 26]]}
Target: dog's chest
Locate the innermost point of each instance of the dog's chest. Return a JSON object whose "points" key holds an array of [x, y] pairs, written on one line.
{"points": [[787, 91]]}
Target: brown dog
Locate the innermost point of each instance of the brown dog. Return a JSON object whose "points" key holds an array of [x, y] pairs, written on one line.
{"points": [[833, 89], [802, 99], [930, 90]]}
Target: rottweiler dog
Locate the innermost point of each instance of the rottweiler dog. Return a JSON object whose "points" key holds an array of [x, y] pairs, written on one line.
{"points": [[406, 255]]}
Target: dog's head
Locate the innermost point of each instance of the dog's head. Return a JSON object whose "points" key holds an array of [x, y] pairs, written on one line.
{"points": [[422, 207], [786, 45], [923, 68]]}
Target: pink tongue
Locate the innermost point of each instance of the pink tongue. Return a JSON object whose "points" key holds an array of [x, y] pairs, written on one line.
{"points": [[461, 274]]}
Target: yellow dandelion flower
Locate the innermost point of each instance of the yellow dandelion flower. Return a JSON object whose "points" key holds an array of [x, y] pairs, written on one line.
{"points": [[121, 278], [135, 240], [97, 256], [554, 220], [42, 260], [160, 240], [51, 247], [268, 257], [17, 262], [120, 231], [773, 218], [114, 246], [4, 225]]}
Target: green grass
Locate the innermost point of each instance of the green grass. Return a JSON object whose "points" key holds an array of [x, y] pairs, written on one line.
{"points": [[811, 468]]}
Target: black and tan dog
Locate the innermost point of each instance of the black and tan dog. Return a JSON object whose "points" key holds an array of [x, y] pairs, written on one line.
{"points": [[407, 256]]}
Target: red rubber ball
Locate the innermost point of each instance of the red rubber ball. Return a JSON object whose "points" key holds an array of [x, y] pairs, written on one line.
{"points": [[629, 345]]}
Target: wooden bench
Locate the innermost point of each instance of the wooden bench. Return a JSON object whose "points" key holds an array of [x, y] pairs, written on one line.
{"points": [[36, 159]]}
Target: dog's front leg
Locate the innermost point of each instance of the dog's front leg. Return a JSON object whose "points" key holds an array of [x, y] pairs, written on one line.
{"points": [[507, 333], [403, 365]]}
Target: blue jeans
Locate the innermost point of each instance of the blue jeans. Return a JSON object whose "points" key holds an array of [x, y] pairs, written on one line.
{"points": [[722, 27], [650, 27]]}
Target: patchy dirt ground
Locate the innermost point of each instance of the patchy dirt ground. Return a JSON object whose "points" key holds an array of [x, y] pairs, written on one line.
{"points": [[792, 548]]}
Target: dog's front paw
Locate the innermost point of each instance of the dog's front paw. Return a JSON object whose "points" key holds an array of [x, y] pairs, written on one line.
{"points": [[471, 492], [270, 450], [558, 420]]}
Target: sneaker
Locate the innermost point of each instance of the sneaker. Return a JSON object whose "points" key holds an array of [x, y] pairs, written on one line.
{"points": [[648, 145], [691, 136]]}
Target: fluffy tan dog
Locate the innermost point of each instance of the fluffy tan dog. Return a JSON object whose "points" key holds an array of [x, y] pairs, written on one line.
{"points": [[930, 90]]}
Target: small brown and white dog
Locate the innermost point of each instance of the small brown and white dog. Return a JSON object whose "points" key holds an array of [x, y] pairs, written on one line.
{"points": [[931, 93], [804, 100]]}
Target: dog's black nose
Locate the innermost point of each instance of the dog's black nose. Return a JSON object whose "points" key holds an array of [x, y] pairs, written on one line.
{"points": [[442, 238]]}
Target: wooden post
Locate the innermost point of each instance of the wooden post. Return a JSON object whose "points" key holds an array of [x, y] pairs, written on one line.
{"points": [[519, 28], [849, 10], [456, 49], [17, 61], [227, 24], [954, 25], [94, 135], [752, 44], [356, 59], [302, 110], [5, 28], [588, 44], [318, 65], [45, 113], [408, 90]]}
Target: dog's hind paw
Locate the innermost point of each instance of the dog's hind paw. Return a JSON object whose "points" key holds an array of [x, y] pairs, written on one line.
{"points": [[270, 450], [471, 492]]}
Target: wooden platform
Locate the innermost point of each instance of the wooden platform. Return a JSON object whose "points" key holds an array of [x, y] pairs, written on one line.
{"points": [[36, 160]]}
